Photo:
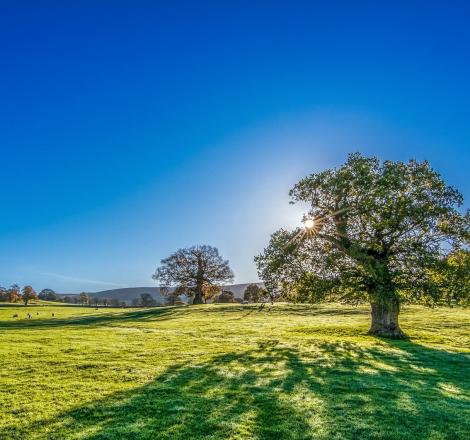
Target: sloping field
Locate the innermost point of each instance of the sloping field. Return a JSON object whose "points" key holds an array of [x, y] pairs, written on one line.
{"points": [[232, 372]]}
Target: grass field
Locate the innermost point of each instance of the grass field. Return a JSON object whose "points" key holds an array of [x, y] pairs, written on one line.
{"points": [[232, 372]]}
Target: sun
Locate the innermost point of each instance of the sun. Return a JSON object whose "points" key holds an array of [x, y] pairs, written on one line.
{"points": [[309, 223]]}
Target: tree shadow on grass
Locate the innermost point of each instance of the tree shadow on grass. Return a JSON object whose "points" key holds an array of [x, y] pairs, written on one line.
{"points": [[333, 391], [306, 310], [164, 313], [160, 313]]}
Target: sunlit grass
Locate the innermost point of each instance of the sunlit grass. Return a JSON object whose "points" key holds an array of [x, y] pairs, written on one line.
{"points": [[232, 372]]}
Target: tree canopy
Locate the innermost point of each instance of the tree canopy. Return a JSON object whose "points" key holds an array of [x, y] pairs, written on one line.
{"points": [[28, 293], [453, 278], [374, 231], [254, 293], [226, 296], [197, 271], [3, 294], [83, 298], [147, 300], [14, 293], [48, 295]]}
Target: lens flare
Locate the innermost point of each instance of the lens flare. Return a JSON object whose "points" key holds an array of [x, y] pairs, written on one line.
{"points": [[309, 223]]}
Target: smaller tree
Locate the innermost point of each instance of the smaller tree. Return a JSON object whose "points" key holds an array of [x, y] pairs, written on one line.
{"points": [[226, 297], [83, 298], [254, 293], [147, 300], [453, 278], [48, 295], [28, 294], [114, 302], [210, 291], [172, 300], [172, 296], [14, 293], [3, 294]]}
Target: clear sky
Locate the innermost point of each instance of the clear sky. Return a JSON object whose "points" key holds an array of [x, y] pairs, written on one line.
{"points": [[129, 129]]}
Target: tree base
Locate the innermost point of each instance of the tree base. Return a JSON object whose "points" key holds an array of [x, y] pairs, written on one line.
{"points": [[387, 333], [385, 320], [197, 300]]}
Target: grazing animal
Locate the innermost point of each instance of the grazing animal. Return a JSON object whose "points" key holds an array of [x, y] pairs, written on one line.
{"points": [[30, 316], [53, 314], [15, 315]]}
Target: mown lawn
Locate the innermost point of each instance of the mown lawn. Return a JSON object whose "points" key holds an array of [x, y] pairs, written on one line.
{"points": [[232, 372]]}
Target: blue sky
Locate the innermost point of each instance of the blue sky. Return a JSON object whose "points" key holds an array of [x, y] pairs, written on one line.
{"points": [[129, 129]]}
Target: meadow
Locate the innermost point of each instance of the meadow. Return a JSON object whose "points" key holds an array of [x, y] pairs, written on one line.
{"points": [[232, 372]]}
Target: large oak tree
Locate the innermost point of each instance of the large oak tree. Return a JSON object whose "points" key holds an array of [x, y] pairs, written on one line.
{"points": [[375, 231], [196, 271]]}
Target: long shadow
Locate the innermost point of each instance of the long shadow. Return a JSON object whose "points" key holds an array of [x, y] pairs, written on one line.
{"points": [[286, 309], [414, 391], [334, 391], [159, 313], [162, 313]]}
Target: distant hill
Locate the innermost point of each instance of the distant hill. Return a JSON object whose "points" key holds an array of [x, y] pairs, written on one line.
{"points": [[127, 294]]}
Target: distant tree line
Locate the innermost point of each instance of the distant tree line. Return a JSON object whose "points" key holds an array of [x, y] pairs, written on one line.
{"points": [[86, 299], [216, 294], [14, 294]]}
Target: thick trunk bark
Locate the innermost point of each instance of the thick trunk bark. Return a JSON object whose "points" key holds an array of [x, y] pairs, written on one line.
{"points": [[198, 298], [199, 294], [384, 315]]}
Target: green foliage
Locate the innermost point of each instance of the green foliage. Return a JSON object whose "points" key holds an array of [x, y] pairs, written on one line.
{"points": [[48, 295], [147, 300], [83, 298], [254, 293], [226, 297], [28, 294], [284, 372], [172, 299], [3, 294], [452, 279]]}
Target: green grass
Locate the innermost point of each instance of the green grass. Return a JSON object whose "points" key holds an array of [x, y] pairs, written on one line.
{"points": [[232, 372]]}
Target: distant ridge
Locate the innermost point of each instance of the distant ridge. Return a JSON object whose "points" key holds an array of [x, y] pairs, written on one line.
{"points": [[127, 294]]}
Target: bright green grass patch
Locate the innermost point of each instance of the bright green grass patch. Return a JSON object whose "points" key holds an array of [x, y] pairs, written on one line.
{"points": [[232, 372]]}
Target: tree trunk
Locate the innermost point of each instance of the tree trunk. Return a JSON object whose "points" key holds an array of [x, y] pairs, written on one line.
{"points": [[198, 298], [198, 294], [384, 315]]}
